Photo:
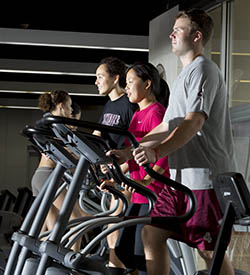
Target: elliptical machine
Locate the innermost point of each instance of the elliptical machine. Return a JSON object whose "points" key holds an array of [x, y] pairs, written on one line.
{"points": [[31, 256]]}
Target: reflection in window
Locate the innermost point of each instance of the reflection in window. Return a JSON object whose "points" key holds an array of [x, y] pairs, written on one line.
{"points": [[240, 55], [215, 41]]}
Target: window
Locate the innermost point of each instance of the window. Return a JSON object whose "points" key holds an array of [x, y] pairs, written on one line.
{"points": [[240, 53], [215, 41]]}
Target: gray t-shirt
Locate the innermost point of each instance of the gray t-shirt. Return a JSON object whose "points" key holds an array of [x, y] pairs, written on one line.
{"points": [[200, 88]]}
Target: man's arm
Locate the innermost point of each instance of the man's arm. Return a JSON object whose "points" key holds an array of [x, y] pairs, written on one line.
{"points": [[152, 139], [148, 179], [156, 136], [175, 140]]}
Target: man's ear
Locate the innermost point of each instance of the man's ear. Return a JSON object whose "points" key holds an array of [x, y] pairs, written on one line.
{"points": [[198, 36]]}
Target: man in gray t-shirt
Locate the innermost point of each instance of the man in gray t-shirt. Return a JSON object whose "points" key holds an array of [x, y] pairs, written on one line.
{"points": [[196, 135], [200, 88]]}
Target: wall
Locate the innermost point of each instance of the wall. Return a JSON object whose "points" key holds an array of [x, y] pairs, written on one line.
{"points": [[13, 147], [160, 44], [17, 159]]}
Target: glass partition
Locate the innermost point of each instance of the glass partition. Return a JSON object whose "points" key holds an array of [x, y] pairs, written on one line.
{"points": [[216, 41], [240, 53], [240, 83]]}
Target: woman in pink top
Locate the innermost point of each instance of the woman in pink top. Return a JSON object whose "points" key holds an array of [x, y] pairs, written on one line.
{"points": [[143, 121], [150, 92]]}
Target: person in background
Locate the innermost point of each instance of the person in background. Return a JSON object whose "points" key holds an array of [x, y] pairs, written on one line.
{"points": [[76, 111], [76, 114], [57, 103]]}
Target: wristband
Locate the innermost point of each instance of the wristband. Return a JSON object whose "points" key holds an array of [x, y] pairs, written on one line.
{"points": [[156, 154]]}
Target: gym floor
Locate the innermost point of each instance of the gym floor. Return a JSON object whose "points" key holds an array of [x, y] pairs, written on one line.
{"points": [[238, 252]]}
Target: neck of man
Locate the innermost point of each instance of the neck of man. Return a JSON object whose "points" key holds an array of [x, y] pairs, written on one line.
{"points": [[190, 56]]}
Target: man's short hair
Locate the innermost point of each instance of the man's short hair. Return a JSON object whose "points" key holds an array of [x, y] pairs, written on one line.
{"points": [[200, 21]]}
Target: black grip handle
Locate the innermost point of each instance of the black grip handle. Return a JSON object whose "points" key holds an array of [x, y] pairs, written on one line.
{"points": [[29, 131], [119, 195], [49, 120], [45, 122]]}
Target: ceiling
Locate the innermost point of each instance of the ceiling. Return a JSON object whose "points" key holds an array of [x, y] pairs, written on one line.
{"points": [[60, 50]]}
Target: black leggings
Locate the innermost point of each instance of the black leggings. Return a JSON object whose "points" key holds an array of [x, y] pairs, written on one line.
{"points": [[129, 246]]}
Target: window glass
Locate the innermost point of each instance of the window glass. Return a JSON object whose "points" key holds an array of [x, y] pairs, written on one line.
{"points": [[214, 47], [239, 84], [240, 53], [237, 64]]}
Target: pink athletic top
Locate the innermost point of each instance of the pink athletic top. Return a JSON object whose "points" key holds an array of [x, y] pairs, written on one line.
{"points": [[142, 123]]}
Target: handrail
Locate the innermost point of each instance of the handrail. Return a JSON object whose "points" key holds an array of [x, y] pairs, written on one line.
{"points": [[47, 121]]}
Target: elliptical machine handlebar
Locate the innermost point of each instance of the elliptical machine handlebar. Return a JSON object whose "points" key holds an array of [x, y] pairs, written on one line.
{"points": [[87, 145], [49, 120]]}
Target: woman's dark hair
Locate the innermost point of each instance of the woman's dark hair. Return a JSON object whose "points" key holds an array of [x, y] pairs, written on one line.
{"points": [[159, 87], [164, 93], [115, 66], [47, 102], [76, 109]]}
